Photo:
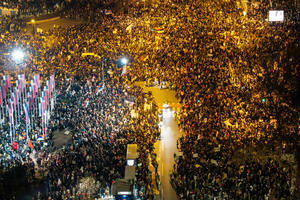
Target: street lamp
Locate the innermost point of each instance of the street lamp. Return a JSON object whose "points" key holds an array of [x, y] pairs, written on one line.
{"points": [[33, 30], [18, 55], [124, 61]]}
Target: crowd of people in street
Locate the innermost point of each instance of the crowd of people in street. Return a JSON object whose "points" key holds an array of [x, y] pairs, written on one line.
{"points": [[32, 7], [11, 24], [97, 112], [235, 76]]}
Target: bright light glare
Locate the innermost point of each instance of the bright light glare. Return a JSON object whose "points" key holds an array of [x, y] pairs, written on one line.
{"points": [[167, 113], [160, 124], [124, 193], [18, 55], [124, 61], [166, 105], [130, 162], [276, 15]]}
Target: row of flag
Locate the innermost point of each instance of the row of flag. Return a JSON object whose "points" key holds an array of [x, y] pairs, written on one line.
{"points": [[19, 101], [4, 88], [46, 103]]}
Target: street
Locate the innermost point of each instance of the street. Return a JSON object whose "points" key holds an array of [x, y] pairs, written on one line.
{"points": [[46, 25], [166, 147]]}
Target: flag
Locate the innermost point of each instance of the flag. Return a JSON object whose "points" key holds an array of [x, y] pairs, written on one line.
{"points": [[40, 109], [49, 83], [3, 90], [108, 12], [30, 145], [86, 102], [53, 82], [19, 86], [99, 88], [43, 109], [26, 110], [1, 96], [12, 106], [40, 137], [44, 97], [36, 79], [11, 111], [30, 100], [16, 95], [159, 29], [33, 88], [5, 82], [8, 80], [23, 80], [14, 99], [20, 81], [124, 70], [15, 145]]}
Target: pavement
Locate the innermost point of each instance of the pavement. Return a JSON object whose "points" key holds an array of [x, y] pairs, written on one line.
{"points": [[167, 146], [47, 24], [61, 138]]}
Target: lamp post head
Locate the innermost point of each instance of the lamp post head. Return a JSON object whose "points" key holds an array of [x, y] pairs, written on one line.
{"points": [[124, 61], [18, 55]]}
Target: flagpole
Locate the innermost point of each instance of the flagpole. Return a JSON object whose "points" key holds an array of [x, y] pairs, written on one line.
{"points": [[10, 132], [14, 130], [1, 115], [31, 115], [7, 111], [15, 112], [25, 85], [26, 119]]}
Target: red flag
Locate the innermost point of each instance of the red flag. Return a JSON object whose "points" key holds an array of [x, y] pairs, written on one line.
{"points": [[8, 80], [15, 145]]}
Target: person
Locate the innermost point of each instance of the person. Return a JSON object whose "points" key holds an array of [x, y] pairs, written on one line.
{"points": [[228, 72]]}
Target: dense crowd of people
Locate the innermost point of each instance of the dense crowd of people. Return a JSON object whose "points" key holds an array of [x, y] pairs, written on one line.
{"points": [[101, 129], [32, 7], [235, 76]]}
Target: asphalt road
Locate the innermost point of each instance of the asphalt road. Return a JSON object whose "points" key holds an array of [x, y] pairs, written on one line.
{"points": [[47, 25], [166, 147]]}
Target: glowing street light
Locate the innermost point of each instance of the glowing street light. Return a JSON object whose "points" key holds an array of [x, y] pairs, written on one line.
{"points": [[18, 55], [33, 26], [124, 61]]}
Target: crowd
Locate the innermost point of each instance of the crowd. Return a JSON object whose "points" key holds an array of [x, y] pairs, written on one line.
{"points": [[32, 7], [235, 75], [101, 132], [11, 24], [100, 128]]}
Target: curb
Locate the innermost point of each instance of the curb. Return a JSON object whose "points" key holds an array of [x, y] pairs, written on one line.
{"points": [[43, 21]]}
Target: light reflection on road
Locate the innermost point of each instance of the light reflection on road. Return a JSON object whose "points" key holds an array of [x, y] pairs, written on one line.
{"points": [[166, 148]]}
